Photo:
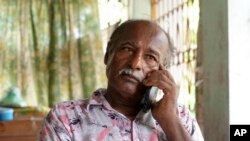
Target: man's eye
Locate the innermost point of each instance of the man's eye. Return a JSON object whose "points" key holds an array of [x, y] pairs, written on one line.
{"points": [[150, 57], [128, 49], [151, 60]]}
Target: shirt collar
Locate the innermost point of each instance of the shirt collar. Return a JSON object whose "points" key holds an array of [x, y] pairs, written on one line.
{"points": [[97, 99]]}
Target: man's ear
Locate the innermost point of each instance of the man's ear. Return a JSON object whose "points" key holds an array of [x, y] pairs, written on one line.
{"points": [[106, 58]]}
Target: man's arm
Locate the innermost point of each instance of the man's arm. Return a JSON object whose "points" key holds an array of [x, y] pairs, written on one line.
{"points": [[171, 124], [182, 125], [53, 128], [174, 129], [165, 111]]}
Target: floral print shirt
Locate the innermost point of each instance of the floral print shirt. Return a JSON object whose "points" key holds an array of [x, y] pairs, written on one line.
{"points": [[95, 120]]}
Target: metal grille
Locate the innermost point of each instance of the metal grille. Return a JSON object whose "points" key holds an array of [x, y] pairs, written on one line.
{"points": [[180, 19]]}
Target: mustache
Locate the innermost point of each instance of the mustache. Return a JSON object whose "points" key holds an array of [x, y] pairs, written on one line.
{"points": [[138, 75]]}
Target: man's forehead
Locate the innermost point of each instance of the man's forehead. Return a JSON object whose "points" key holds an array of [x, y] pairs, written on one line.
{"points": [[139, 35], [142, 33], [142, 30]]}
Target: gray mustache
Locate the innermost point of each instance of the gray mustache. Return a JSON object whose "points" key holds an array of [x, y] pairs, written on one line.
{"points": [[134, 73]]}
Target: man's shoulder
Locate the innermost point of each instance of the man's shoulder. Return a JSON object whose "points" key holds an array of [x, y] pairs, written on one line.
{"points": [[183, 108], [70, 105], [94, 98], [183, 111]]}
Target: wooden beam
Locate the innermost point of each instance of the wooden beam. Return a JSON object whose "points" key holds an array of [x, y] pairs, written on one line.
{"points": [[212, 70]]}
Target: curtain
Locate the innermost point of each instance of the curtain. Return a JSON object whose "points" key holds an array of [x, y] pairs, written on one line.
{"points": [[50, 50]]}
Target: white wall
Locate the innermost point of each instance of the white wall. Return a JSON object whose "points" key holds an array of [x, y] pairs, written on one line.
{"points": [[139, 9], [239, 61]]}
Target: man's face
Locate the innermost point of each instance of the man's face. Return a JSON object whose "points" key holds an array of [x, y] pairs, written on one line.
{"points": [[142, 48]]}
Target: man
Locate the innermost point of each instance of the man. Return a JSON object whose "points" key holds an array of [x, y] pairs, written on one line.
{"points": [[137, 54]]}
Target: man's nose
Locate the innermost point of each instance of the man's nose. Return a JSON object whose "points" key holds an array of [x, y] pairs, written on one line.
{"points": [[137, 61]]}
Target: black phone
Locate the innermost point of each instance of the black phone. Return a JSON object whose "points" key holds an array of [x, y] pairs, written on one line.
{"points": [[151, 96]]}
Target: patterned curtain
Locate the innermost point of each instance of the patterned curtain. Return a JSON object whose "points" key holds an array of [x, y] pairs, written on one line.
{"points": [[50, 50]]}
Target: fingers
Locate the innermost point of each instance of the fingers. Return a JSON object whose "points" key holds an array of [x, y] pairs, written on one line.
{"points": [[166, 72], [160, 81], [160, 78], [161, 67]]}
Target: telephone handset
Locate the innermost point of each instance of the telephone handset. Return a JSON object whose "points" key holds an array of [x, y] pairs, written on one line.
{"points": [[151, 96]]}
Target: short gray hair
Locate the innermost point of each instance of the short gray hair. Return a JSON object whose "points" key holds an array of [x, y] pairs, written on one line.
{"points": [[120, 29]]}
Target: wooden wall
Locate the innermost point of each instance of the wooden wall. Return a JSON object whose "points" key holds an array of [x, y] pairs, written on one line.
{"points": [[212, 70]]}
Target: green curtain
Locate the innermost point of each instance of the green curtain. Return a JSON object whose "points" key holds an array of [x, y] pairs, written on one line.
{"points": [[50, 49]]}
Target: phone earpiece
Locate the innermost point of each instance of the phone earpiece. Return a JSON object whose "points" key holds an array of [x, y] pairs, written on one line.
{"points": [[151, 96]]}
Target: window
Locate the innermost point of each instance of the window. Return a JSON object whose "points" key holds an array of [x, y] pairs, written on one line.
{"points": [[180, 19]]}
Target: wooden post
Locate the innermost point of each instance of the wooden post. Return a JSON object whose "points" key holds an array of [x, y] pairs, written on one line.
{"points": [[212, 74]]}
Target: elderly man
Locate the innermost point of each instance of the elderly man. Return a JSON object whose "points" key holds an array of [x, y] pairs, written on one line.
{"points": [[137, 54]]}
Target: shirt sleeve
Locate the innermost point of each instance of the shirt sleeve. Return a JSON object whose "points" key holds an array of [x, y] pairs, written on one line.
{"points": [[190, 123], [53, 128], [197, 135]]}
